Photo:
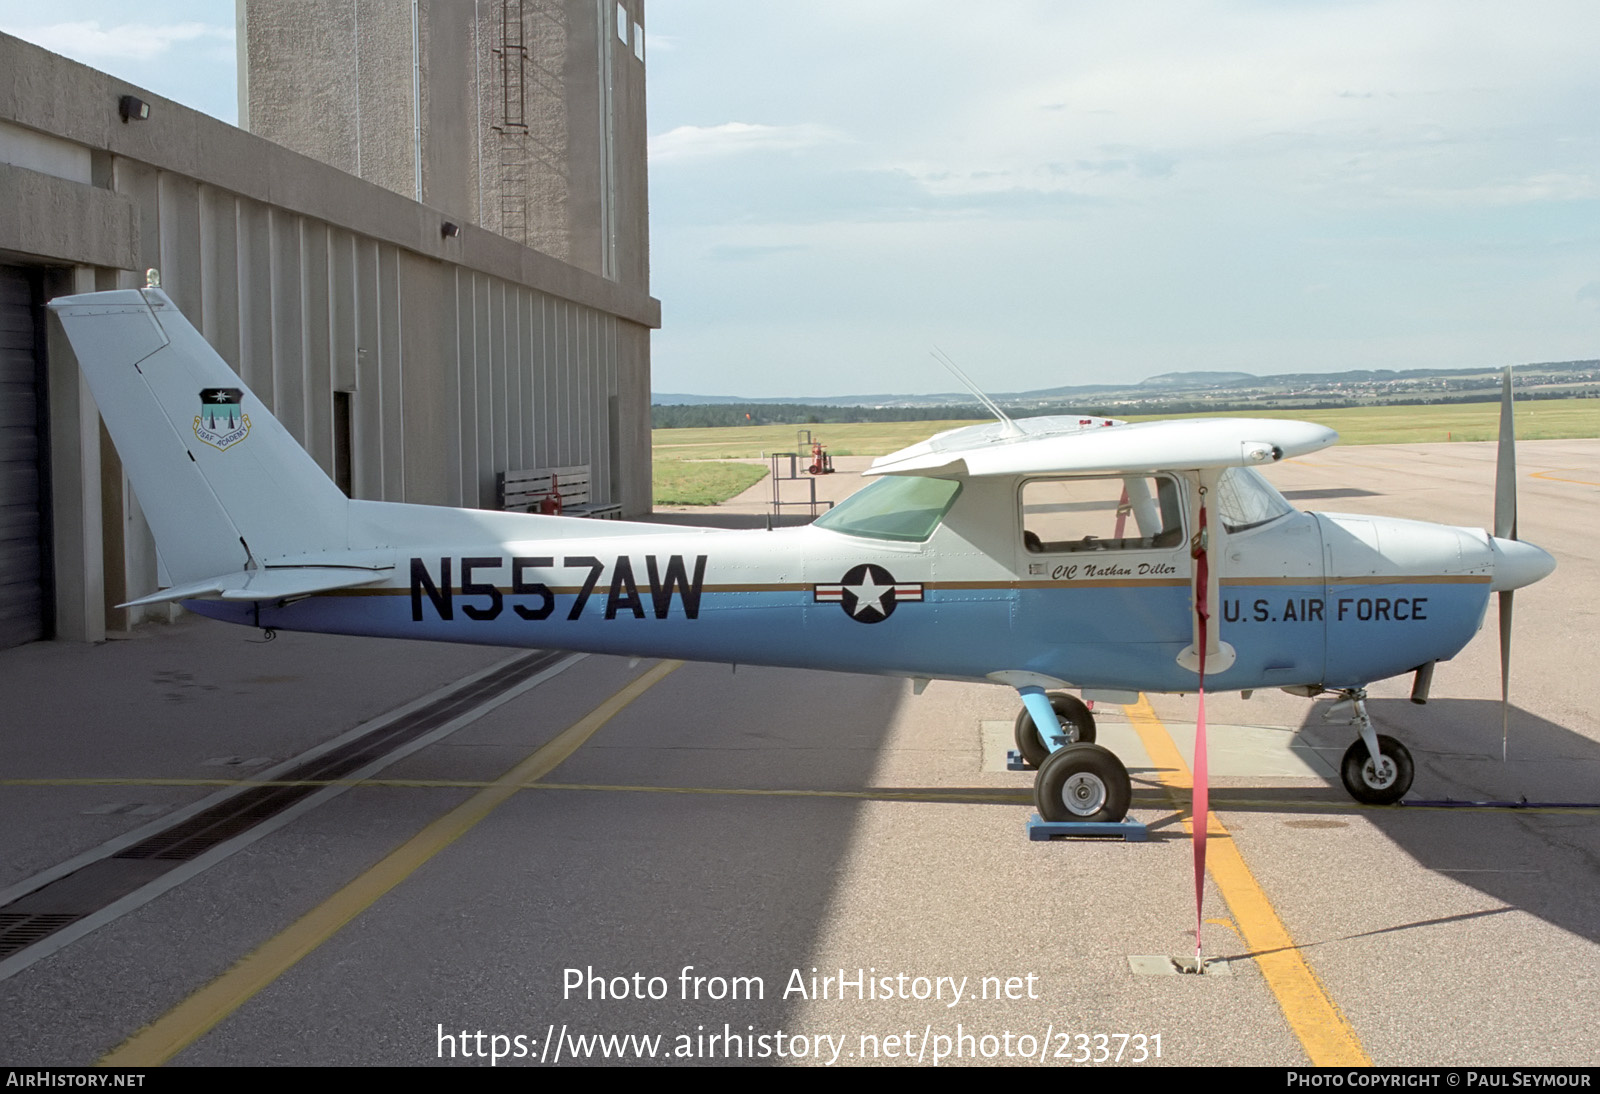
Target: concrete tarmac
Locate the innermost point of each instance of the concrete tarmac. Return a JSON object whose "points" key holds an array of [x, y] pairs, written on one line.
{"points": [[698, 865]]}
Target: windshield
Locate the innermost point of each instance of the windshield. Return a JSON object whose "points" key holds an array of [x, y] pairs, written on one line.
{"points": [[900, 507], [1246, 500]]}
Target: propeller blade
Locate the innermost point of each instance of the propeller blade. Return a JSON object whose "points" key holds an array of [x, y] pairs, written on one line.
{"points": [[1505, 670], [1505, 527], [1505, 479]]}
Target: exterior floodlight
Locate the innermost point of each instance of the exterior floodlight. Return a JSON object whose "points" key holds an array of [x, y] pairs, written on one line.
{"points": [[450, 231], [133, 109]]}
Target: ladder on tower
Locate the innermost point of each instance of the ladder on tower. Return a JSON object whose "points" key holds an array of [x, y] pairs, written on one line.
{"points": [[512, 125]]}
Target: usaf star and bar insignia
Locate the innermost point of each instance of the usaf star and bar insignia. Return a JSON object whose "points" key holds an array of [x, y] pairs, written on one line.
{"points": [[868, 593]]}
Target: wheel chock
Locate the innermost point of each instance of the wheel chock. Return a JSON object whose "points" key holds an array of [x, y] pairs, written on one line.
{"points": [[1015, 762], [1130, 831]]}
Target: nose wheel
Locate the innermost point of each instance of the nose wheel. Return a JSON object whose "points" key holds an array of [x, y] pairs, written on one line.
{"points": [[1377, 780], [1075, 723], [1082, 782], [1376, 769]]}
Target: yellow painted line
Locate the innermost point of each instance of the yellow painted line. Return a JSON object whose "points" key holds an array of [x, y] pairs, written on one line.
{"points": [[1269, 805], [967, 797], [1323, 1031], [188, 1021], [1551, 476]]}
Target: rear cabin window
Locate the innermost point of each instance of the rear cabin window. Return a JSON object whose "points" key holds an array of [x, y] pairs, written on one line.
{"points": [[1136, 512]]}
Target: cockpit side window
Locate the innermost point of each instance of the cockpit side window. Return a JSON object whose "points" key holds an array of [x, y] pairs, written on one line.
{"points": [[1134, 512], [897, 507]]}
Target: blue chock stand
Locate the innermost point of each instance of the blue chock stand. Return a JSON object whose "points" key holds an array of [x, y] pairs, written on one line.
{"points": [[1130, 831]]}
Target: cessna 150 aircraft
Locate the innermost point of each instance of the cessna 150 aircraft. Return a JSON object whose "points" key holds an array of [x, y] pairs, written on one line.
{"points": [[1041, 554]]}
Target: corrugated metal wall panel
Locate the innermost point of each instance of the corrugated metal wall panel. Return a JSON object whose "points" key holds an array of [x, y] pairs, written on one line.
{"points": [[22, 604]]}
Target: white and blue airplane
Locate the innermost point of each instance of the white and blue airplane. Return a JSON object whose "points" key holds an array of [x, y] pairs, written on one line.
{"points": [[1041, 554]]}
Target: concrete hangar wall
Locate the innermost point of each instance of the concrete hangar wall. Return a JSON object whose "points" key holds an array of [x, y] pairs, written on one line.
{"points": [[412, 364]]}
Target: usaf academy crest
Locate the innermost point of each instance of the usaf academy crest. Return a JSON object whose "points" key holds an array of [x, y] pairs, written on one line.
{"points": [[221, 422]]}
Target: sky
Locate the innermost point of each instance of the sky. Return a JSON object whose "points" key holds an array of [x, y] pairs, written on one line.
{"points": [[1058, 193]]}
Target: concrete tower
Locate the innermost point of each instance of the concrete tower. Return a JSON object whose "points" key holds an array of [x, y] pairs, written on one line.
{"points": [[525, 117]]}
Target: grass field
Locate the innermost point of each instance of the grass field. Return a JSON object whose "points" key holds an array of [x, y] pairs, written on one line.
{"points": [[695, 482], [1537, 420]]}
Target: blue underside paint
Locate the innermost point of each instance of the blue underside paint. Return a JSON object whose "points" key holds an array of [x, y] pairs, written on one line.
{"points": [[1100, 637]]}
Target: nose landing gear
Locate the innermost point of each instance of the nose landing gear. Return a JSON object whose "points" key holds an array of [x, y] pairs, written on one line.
{"points": [[1376, 769], [1078, 781]]}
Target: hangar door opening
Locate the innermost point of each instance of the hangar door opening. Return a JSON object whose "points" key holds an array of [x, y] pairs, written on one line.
{"points": [[22, 555]]}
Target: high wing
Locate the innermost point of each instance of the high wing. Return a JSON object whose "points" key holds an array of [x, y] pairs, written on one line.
{"points": [[1060, 445], [1069, 445]]}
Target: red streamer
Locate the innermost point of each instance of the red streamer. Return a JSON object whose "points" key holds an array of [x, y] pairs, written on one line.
{"points": [[1200, 807]]}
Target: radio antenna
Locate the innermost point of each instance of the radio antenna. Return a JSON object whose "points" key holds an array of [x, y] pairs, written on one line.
{"points": [[1008, 428]]}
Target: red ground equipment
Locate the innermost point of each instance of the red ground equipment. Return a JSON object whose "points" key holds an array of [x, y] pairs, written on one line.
{"points": [[821, 462], [550, 504]]}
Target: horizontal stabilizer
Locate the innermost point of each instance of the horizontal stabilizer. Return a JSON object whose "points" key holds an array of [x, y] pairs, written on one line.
{"points": [[278, 583]]}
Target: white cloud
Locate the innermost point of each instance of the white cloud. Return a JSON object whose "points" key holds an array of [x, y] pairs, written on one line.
{"points": [[1534, 189], [1101, 170], [730, 138], [1359, 103], [92, 43]]}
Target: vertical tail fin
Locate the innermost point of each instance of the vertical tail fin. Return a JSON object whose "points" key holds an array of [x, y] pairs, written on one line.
{"points": [[222, 483]]}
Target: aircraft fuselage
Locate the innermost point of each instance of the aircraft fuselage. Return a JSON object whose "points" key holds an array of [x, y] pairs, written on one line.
{"points": [[1306, 599]]}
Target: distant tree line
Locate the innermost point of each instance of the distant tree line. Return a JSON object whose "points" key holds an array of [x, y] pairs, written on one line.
{"points": [[704, 415]]}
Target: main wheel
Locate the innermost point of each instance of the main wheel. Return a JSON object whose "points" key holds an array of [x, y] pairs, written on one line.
{"points": [[1082, 782], [1377, 783], [1076, 721]]}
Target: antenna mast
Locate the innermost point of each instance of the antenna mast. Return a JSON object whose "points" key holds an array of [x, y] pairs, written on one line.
{"points": [[1008, 428]]}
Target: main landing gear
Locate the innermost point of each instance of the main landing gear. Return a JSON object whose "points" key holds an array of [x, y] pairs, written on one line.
{"points": [[1074, 720], [1376, 769], [1078, 780], [1082, 782]]}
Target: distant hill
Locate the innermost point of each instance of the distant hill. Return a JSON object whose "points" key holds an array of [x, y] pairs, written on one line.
{"points": [[1199, 381], [939, 398], [1162, 386]]}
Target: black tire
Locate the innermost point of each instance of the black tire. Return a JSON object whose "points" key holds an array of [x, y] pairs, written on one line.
{"points": [[1077, 725], [1382, 784], [1082, 782]]}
